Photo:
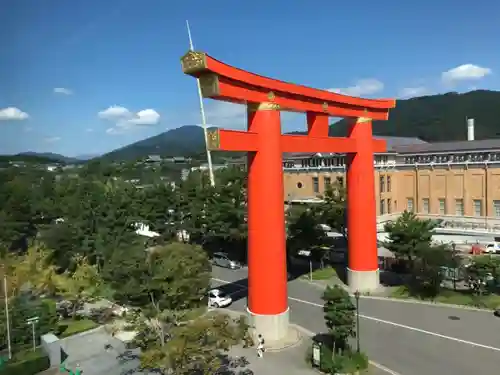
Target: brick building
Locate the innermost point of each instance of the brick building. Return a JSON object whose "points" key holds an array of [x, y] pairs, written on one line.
{"points": [[460, 179]]}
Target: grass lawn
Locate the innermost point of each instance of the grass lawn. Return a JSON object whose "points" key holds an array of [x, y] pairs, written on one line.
{"points": [[326, 273], [491, 301], [70, 327]]}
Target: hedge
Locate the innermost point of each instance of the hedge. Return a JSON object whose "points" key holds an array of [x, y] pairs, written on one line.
{"points": [[26, 363]]}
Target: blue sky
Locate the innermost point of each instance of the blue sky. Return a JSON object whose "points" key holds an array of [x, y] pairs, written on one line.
{"points": [[87, 76]]}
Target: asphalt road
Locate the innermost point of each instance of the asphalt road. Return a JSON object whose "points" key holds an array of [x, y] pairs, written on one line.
{"points": [[409, 339]]}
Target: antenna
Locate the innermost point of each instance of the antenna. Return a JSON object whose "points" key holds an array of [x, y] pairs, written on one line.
{"points": [[203, 118]]}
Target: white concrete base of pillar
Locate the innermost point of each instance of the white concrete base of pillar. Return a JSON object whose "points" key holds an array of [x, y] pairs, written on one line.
{"points": [[271, 327], [363, 281]]}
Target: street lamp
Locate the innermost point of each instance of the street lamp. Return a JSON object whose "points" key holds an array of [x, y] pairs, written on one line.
{"points": [[356, 296], [32, 322]]}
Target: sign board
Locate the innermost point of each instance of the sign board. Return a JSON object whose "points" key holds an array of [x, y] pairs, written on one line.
{"points": [[64, 356], [316, 355]]}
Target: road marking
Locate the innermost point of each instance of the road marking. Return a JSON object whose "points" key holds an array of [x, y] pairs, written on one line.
{"points": [[466, 342]]}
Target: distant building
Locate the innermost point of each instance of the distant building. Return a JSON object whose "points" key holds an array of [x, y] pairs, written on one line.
{"points": [[454, 180], [153, 158], [179, 160]]}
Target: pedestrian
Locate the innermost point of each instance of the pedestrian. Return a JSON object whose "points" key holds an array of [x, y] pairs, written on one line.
{"points": [[260, 346]]}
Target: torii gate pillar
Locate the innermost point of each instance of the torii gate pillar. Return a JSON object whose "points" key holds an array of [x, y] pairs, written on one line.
{"points": [[267, 275], [362, 270]]}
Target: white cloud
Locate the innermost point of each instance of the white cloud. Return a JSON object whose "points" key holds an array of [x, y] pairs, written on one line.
{"points": [[146, 117], [465, 72], [114, 113], [124, 119], [113, 131], [368, 86], [412, 92], [52, 139], [12, 113], [63, 91], [89, 130]]}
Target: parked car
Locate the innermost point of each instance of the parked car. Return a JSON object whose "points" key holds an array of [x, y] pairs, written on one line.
{"points": [[222, 260], [497, 312], [217, 298]]}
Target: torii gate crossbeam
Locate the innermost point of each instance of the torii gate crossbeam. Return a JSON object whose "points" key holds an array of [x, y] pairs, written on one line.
{"points": [[265, 98]]}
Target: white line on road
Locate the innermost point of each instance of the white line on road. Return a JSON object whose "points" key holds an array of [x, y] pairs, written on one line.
{"points": [[391, 323]]}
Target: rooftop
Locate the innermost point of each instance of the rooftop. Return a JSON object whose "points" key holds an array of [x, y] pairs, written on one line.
{"points": [[408, 145]]}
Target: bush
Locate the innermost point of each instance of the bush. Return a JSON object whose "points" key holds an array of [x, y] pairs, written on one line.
{"points": [[27, 363], [348, 362], [23, 307]]}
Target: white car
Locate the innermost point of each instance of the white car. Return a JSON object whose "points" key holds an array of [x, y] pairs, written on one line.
{"points": [[217, 298], [492, 248]]}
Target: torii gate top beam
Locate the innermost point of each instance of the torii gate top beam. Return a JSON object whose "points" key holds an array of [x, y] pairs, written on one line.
{"points": [[224, 82]]}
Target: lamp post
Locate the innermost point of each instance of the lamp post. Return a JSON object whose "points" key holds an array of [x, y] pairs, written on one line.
{"points": [[32, 322], [356, 296], [7, 318]]}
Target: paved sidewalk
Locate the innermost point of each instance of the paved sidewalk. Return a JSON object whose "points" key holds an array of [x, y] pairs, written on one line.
{"points": [[291, 361]]}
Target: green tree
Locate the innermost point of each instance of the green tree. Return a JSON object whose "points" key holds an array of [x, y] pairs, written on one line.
{"points": [[196, 347], [81, 285], [305, 233], [32, 270], [484, 274], [339, 317], [410, 239], [333, 210], [175, 276], [128, 274], [180, 276]]}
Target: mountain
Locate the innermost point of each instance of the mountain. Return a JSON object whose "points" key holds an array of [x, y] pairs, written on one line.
{"points": [[56, 158], [439, 118], [183, 141], [85, 157], [434, 118]]}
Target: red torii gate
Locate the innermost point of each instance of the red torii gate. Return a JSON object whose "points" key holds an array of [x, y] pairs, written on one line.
{"points": [[265, 98]]}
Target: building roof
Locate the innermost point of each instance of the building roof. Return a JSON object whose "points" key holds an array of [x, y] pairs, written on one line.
{"points": [[484, 144], [392, 143]]}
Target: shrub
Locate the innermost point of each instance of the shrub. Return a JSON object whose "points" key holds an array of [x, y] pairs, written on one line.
{"points": [[27, 363], [23, 307], [348, 362]]}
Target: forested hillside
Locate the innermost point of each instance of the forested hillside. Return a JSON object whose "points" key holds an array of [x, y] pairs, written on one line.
{"points": [[440, 118]]}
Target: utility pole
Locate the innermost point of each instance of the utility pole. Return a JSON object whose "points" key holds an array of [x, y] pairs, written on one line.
{"points": [[203, 118], [7, 319]]}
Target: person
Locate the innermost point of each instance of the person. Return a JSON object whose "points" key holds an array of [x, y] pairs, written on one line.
{"points": [[260, 346]]}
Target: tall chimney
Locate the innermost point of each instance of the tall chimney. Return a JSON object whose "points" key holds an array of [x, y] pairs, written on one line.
{"points": [[470, 129]]}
